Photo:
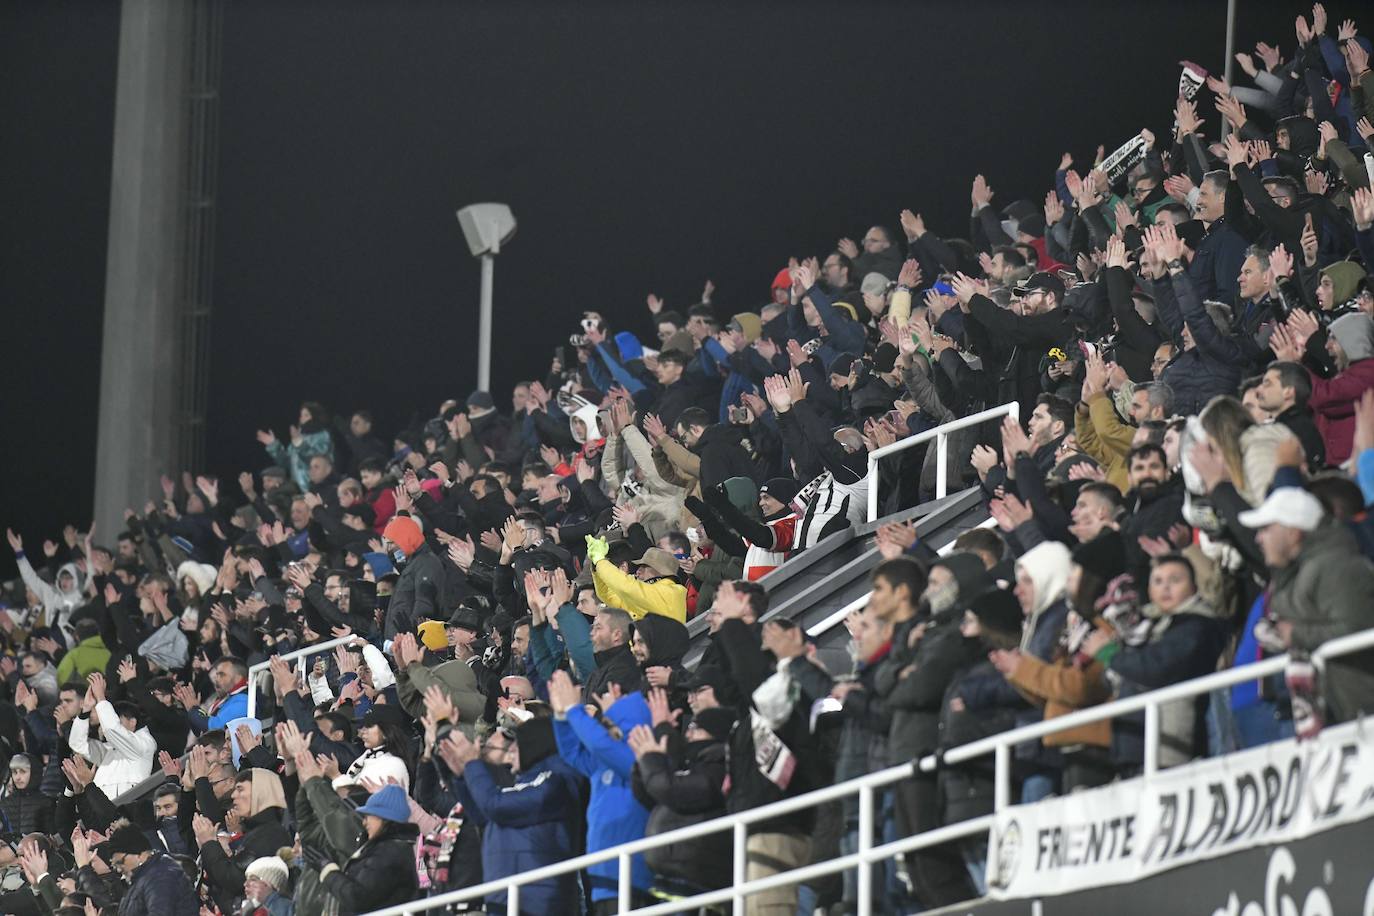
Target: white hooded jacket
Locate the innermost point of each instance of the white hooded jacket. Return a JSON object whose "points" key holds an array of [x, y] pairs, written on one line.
{"points": [[58, 604]]}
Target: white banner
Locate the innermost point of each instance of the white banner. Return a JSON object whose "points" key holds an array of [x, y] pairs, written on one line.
{"points": [[1129, 830]]}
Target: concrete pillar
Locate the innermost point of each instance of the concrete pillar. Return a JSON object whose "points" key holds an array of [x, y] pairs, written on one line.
{"points": [[136, 441]]}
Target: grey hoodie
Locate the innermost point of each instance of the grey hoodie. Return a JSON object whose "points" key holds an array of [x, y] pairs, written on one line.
{"points": [[1355, 333]]}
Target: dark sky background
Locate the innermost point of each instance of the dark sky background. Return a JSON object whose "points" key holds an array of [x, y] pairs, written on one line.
{"points": [[643, 147]]}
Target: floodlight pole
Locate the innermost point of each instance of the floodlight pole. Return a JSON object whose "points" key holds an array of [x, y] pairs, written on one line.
{"points": [[484, 323], [1230, 57]]}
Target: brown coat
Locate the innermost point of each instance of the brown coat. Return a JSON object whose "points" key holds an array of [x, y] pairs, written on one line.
{"points": [[1062, 688]]}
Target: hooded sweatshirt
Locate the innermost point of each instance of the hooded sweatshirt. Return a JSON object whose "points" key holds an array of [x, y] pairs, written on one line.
{"points": [[57, 604], [1333, 400], [667, 640], [1047, 564]]}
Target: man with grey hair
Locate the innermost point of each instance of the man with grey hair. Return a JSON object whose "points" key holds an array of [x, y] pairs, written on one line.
{"points": [[1220, 251], [1151, 402]]}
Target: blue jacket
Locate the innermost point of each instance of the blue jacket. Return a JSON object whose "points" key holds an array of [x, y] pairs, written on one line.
{"points": [[715, 360], [235, 707], [527, 826], [844, 334], [614, 816]]}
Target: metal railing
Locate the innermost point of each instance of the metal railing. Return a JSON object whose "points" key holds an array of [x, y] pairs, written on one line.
{"points": [[860, 602], [941, 436], [1000, 746], [262, 667]]}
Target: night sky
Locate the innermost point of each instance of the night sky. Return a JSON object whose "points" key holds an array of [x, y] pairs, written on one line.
{"points": [[642, 146]]}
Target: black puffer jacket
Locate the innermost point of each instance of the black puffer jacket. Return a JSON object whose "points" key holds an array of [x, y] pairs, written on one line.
{"points": [[417, 592], [678, 796], [160, 888], [380, 874], [27, 810]]}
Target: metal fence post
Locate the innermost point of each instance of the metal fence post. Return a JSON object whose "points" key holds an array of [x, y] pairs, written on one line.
{"points": [[624, 878], [513, 900], [741, 858], [941, 474], [1151, 738], [872, 488], [865, 873], [1001, 775]]}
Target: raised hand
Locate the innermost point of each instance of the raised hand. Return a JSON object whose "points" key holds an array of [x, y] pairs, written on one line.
{"points": [[1054, 208], [462, 552], [78, 772], [1302, 30], [981, 193], [1357, 62], [247, 740], [1270, 54], [848, 248], [983, 460], [1309, 242], [1232, 110], [965, 288], [1280, 266], [654, 303], [910, 274], [1301, 325], [1284, 346], [24, 697], [126, 671], [1014, 438], [1247, 63], [912, 224], [625, 515], [1363, 206], [1186, 117], [16, 542]]}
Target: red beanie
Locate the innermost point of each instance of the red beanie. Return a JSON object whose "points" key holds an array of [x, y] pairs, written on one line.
{"points": [[783, 280], [404, 533]]}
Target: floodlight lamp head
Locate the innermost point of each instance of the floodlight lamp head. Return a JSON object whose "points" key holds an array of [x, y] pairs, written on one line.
{"points": [[486, 227]]}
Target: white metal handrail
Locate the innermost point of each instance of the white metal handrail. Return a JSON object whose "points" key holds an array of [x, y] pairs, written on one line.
{"points": [[941, 436], [998, 745], [858, 604], [308, 651]]}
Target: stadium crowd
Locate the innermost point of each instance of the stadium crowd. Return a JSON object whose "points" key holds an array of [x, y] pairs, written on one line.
{"points": [[1186, 326]]}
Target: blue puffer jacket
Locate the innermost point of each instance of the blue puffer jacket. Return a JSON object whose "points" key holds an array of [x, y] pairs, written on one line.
{"points": [[614, 816], [527, 826]]}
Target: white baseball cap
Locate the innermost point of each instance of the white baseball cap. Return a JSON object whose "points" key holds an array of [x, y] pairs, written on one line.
{"points": [[1292, 507]]}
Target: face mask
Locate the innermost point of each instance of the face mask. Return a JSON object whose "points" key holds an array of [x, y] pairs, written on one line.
{"points": [[399, 556], [943, 598]]}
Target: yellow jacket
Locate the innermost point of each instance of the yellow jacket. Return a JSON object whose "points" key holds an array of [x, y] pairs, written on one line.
{"points": [[1104, 438], [622, 590]]}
